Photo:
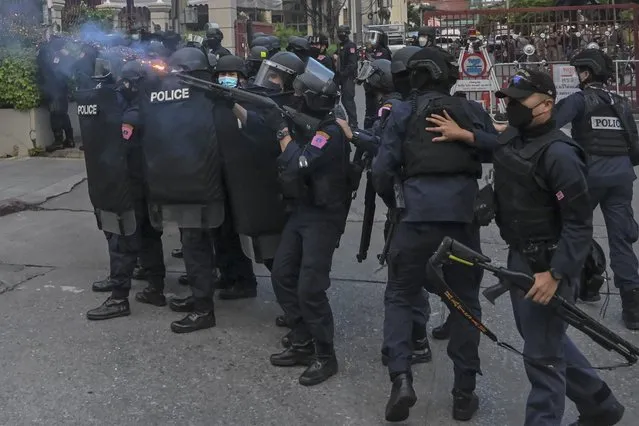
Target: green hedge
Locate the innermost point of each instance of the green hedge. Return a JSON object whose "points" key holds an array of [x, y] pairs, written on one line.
{"points": [[18, 88]]}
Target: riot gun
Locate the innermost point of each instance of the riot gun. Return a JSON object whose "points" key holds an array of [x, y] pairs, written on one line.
{"points": [[395, 215], [453, 251], [304, 122], [369, 209]]}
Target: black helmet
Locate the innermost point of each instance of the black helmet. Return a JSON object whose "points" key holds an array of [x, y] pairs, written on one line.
{"points": [[317, 87], [264, 42], [344, 29], [213, 31], [231, 63], [321, 39], [212, 60], [376, 38], [428, 66], [133, 71], [283, 67], [275, 42], [259, 34], [381, 78], [257, 54], [189, 59], [426, 36], [594, 60], [399, 62], [299, 45], [110, 61]]}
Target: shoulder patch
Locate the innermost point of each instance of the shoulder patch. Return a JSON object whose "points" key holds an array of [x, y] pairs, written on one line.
{"points": [[352, 50], [321, 57], [320, 139], [127, 131]]}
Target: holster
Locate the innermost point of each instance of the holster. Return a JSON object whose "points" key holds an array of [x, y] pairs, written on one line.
{"points": [[539, 256]]}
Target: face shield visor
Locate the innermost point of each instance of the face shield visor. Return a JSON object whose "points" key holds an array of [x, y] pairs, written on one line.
{"points": [[373, 38], [103, 69], [318, 74], [365, 71], [272, 75]]}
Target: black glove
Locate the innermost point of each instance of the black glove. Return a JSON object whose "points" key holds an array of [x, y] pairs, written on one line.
{"points": [[224, 98], [274, 119]]}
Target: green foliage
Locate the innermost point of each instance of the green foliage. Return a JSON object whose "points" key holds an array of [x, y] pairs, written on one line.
{"points": [[76, 16], [18, 88], [284, 33]]}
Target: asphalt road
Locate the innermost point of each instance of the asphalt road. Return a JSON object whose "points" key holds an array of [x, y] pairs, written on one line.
{"points": [[57, 368]]}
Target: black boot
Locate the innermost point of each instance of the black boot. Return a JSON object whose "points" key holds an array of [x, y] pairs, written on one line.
{"points": [[140, 273], [151, 296], [69, 142], [239, 291], [302, 353], [608, 418], [183, 280], [323, 367], [193, 322], [443, 331], [57, 144], [402, 398], [630, 308], [282, 321], [102, 286], [465, 404], [111, 308], [177, 253], [186, 304]]}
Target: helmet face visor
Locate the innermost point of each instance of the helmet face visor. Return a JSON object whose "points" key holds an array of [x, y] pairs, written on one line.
{"points": [[271, 73]]}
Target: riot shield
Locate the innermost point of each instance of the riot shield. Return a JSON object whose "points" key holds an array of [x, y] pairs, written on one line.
{"points": [[260, 248], [182, 161], [105, 155], [250, 177]]}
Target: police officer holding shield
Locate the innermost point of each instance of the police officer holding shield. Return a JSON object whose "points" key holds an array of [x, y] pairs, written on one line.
{"points": [[319, 44], [439, 182], [185, 174], [544, 215], [112, 130], [603, 124]]}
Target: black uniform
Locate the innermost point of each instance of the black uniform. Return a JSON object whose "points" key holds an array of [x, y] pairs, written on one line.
{"points": [[346, 71]]}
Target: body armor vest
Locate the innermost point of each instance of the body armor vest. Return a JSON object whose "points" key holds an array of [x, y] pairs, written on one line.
{"points": [[600, 131], [526, 207], [423, 157]]}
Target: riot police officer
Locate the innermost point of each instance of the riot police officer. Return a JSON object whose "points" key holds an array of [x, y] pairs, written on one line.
{"points": [[186, 185], [377, 45], [545, 217], [300, 46], [603, 124], [346, 58], [276, 45], [213, 42], [230, 71], [254, 60], [120, 188], [319, 44], [426, 36], [440, 187], [265, 42]]}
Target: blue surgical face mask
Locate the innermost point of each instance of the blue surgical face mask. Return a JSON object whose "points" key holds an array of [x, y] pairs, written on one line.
{"points": [[227, 81]]}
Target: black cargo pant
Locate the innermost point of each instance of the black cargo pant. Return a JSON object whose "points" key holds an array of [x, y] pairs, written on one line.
{"points": [[549, 352], [347, 86], [124, 250], [235, 267], [199, 260], [412, 245], [301, 269], [59, 117], [370, 115]]}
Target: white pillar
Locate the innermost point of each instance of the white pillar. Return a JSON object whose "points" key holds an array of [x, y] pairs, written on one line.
{"points": [[56, 14], [224, 13], [160, 13]]}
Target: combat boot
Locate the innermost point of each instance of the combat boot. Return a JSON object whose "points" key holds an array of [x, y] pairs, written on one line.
{"points": [[299, 353], [239, 290], [57, 144], [630, 308], [193, 322], [111, 308], [402, 398], [183, 280], [465, 404], [323, 367], [151, 295], [177, 253], [69, 143], [608, 418], [102, 286], [282, 321]]}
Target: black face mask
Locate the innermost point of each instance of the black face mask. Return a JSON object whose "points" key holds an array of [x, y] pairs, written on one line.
{"points": [[315, 52], [296, 102], [519, 115], [342, 37]]}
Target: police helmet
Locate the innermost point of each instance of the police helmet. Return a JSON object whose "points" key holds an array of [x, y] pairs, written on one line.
{"points": [[213, 31], [344, 29], [109, 63], [281, 69], [189, 59], [258, 54], [376, 38], [399, 62], [428, 66], [317, 87], [264, 42], [321, 39], [298, 45], [259, 34], [133, 71], [212, 60], [597, 62], [231, 63], [275, 42], [426, 36], [381, 78]]}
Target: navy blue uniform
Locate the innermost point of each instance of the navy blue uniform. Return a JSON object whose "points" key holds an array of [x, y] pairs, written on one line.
{"points": [[346, 70], [566, 214], [146, 242], [317, 197], [610, 183], [436, 206]]}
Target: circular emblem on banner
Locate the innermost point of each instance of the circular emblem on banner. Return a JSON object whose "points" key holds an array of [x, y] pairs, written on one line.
{"points": [[474, 65]]}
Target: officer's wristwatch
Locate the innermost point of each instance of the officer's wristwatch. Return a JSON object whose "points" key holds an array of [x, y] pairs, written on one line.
{"points": [[556, 275], [281, 134]]}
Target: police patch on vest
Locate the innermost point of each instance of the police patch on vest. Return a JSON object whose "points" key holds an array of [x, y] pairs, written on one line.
{"points": [[87, 110], [170, 95], [605, 123], [320, 139]]}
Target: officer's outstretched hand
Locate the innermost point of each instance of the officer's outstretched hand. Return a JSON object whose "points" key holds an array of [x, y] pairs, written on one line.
{"points": [[449, 129], [543, 289]]}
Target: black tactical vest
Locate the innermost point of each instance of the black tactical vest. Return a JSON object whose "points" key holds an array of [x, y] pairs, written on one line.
{"points": [[527, 210], [600, 130], [422, 156]]}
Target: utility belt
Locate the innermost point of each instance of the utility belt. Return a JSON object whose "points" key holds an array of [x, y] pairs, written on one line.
{"points": [[538, 254]]}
